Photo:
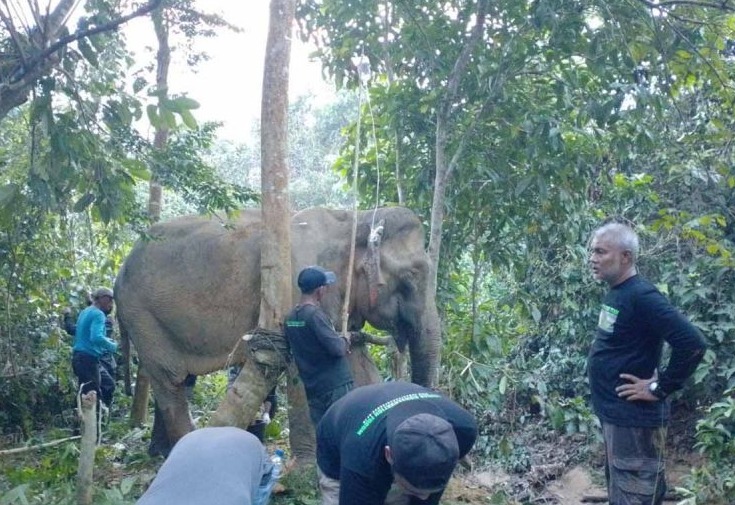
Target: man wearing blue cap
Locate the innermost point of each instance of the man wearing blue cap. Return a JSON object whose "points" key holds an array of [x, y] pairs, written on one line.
{"points": [[319, 351], [391, 433]]}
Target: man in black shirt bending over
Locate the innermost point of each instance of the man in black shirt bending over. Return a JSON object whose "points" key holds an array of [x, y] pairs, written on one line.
{"points": [[628, 392], [391, 433], [319, 351]]}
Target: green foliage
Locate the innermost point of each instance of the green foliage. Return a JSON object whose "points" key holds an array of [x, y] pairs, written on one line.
{"points": [[572, 415], [302, 485], [716, 432], [49, 468]]}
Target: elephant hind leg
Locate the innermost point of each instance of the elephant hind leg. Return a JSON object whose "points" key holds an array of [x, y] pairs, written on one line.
{"points": [[172, 418]]}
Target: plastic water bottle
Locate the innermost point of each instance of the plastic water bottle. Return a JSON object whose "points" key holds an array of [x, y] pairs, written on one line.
{"points": [[277, 460], [265, 489]]}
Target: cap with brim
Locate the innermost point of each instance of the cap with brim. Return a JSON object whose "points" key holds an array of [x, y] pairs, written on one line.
{"points": [[100, 292], [424, 450], [314, 277]]}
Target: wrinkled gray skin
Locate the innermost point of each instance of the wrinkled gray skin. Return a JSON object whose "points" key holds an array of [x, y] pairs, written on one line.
{"points": [[188, 294]]}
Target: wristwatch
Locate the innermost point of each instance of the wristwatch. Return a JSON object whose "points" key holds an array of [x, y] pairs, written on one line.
{"points": [[656, 391]]}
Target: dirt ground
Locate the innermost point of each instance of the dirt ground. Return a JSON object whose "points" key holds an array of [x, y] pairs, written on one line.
{"points": [[576, 486]]}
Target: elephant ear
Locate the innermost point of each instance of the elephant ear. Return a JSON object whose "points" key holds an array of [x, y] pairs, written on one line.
{"points": [[371, 262]]}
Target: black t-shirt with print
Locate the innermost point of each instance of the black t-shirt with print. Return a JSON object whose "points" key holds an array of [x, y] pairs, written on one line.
{"points": [[351, 436], [635, 320]]}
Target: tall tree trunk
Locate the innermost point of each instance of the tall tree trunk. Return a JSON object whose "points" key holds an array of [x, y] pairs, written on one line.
{"points": [[445, 166], [275, 256], [139, 410], [254, 382]]}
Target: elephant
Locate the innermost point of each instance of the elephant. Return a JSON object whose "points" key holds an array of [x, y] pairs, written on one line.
{"points": [[187, 293]]}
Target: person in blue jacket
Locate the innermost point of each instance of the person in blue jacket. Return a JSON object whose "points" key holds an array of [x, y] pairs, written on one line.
{"points": [[91, 344]]}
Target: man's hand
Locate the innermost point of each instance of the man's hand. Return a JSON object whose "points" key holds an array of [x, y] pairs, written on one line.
{"points": [[637, 389], [349, 342]]}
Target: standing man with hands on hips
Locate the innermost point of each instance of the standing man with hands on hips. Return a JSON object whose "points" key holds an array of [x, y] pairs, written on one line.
{"points": [[628, 393]]}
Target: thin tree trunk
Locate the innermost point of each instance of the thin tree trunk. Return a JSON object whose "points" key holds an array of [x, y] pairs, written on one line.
{"points": [[139, 410], [87, 405], [163, 61], [444, 166], [387, 11]]}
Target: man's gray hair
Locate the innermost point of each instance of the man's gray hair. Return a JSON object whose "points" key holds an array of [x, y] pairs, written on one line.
{"points": [[622, 235]]}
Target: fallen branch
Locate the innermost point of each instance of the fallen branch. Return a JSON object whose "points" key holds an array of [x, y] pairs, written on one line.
{"points": [[603, 498], [19, 450]]}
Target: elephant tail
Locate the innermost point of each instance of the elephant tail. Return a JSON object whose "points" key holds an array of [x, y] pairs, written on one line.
{"points": [[124, 334], [125, 348]]}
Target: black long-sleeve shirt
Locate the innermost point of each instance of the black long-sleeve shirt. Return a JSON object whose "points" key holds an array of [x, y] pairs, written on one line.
{"points": [[319, 351], [352, 435], [635, 320]]}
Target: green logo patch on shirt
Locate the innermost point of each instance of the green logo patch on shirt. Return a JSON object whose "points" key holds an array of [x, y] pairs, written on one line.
{"points": [[608, 316]]}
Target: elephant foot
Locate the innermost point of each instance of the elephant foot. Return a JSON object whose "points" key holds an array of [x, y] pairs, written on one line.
{"points": [[159, 448]]}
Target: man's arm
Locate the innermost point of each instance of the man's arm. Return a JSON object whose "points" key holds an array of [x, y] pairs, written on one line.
{"points": [[464, 424], [358, 490], [687, 344], [687, 350], [99, 333], [336, 344]]}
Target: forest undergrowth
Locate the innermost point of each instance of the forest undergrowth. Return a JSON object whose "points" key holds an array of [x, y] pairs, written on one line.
{"points": [[536, 468]]}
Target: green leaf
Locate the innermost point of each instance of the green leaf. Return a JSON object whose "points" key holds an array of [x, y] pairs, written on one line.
{"points": [[523, 185], [188, 119], [503, 385], [15, 495], [137, 169], [153, 116], [7, 194], [168, 119], [127, 484], [88, 51], [535, 313], [185, 103], [84, 202]]}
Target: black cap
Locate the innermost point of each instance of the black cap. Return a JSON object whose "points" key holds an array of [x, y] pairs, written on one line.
{"points": [[424, 450], [314, 277]]}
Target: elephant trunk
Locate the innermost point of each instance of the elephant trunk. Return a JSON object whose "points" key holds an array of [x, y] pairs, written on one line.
{"points": [[425, 348]]}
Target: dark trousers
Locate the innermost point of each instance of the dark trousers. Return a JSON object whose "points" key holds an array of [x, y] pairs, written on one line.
{"points": [[319, 404], [93, 376], [634, 464]]}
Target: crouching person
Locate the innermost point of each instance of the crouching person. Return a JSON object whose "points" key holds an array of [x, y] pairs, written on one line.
{"points": [[394, 434], [224, 465]]}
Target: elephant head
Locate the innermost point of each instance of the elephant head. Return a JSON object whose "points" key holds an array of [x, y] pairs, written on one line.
{"points": [[389, 276]]}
